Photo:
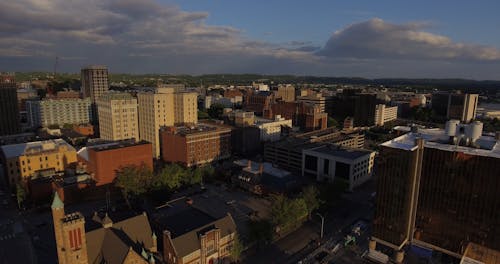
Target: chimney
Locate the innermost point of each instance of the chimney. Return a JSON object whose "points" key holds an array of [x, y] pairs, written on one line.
{"points": [[261, 168]]}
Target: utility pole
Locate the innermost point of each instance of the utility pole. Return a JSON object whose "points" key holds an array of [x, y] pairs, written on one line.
{"points": [[322, 224]]}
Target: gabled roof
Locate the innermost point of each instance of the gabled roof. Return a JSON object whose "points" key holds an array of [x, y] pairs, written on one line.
{"points": [[189, 242], [112, 245]]}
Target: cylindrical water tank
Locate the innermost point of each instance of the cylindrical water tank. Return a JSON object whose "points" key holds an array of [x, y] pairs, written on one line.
{"points": [[451, 127], [474, 130]]}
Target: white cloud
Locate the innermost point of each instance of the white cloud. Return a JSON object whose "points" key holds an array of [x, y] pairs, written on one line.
{"points": [[376, 38]]}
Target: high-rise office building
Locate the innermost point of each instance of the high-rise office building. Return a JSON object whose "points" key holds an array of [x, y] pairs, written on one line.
{"points": [[455, 106], [118, 118], [186, 108], [164, 107], [286, 92], [58, 112], [94, 84], [9, 112], [439, 189], [155, 110]]}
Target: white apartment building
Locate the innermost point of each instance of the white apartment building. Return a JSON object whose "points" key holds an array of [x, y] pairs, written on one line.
{"points": [[58, 112], [329, 163]]}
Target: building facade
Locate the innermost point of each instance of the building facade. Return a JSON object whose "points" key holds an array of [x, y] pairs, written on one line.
{"points": [[118, 118], [48, 112], [9, 111], [105, 160], [307, 116], [287, 153], [155, 110], [384, 114], [94, 84], [329, 163], [458, 106], [286, 92], [206, 244], [164, 107], [194, 146], [185, 108], [33, 159], [315, 99], [439, 189], [272, 129]]}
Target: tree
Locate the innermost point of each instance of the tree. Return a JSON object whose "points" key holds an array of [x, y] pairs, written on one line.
{"points": [[287, 214], [310, 195], [172, 176], [134, 180], [332, 122], [20, 194], [260, 231], [236, 249], [215, 111], [203, 115]]}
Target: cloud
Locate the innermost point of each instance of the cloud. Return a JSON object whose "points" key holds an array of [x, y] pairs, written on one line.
{"points": [[141, 36], [376, 38]]}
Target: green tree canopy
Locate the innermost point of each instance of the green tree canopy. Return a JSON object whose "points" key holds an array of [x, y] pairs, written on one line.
{"points": [[134, 180], [310, 195]]}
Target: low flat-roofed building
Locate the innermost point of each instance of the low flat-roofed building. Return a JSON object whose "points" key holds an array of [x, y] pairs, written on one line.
{"points": [[263, 177], [26, 160], [329, 162], [287, 153], [272, 129], [104, 160], [196, 145]]}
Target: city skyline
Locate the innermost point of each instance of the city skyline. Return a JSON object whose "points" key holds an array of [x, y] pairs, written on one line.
{"points": [[363, 39]]}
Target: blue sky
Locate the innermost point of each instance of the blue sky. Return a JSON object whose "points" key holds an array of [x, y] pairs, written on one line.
{"points": [[373, 39], [282, 21]]}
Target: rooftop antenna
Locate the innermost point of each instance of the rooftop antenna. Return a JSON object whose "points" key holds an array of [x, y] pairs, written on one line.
{"points": [[55, 66]]}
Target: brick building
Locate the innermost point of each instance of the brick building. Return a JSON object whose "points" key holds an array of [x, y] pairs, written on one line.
{"points": [[197, 145], [258, 102], [104, 160], [307, 116]]}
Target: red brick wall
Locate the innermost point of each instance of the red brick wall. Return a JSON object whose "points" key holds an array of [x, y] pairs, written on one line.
{"points": [[105, 163], [173, 148]]}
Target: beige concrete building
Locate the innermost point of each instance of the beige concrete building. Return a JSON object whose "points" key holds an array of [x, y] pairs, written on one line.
{"points": [[155, 110], [118, 118], [385, 114], [286, 92], [271, 129], [164, 107], [314, 98], [186, 108]]}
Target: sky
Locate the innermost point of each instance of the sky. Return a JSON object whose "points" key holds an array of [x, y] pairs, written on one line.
{"points": [[359, 38]]}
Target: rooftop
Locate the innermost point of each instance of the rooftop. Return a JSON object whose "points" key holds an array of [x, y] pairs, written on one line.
{"points": [[345, 153], [437, 138], [197, 129], [37, 147], [83, 152], [267, 168]]}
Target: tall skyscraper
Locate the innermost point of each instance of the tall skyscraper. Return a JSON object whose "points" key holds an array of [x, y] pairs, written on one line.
{"points": [[439, 189], [118, 118], [155, 110], [455, 105], [164, 107], [94, 84], [9, 112]]}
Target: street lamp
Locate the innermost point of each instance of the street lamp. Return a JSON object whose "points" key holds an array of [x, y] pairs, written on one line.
{"points": [[322, 223]]}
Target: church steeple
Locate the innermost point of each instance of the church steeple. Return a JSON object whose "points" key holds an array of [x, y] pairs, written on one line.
{"points": [[57, 203]]}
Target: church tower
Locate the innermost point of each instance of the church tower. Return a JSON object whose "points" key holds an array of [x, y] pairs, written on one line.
{"points": [[69, 231]]}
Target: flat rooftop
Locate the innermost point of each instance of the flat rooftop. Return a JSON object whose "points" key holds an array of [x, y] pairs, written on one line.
{"points": [[198, 129], [267, 168], [83, 152], [436, 138], [182, 220], [16, 150], [345, 153]]}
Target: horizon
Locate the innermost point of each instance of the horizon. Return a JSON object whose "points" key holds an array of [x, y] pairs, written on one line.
{"points": [[387, 40]]}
